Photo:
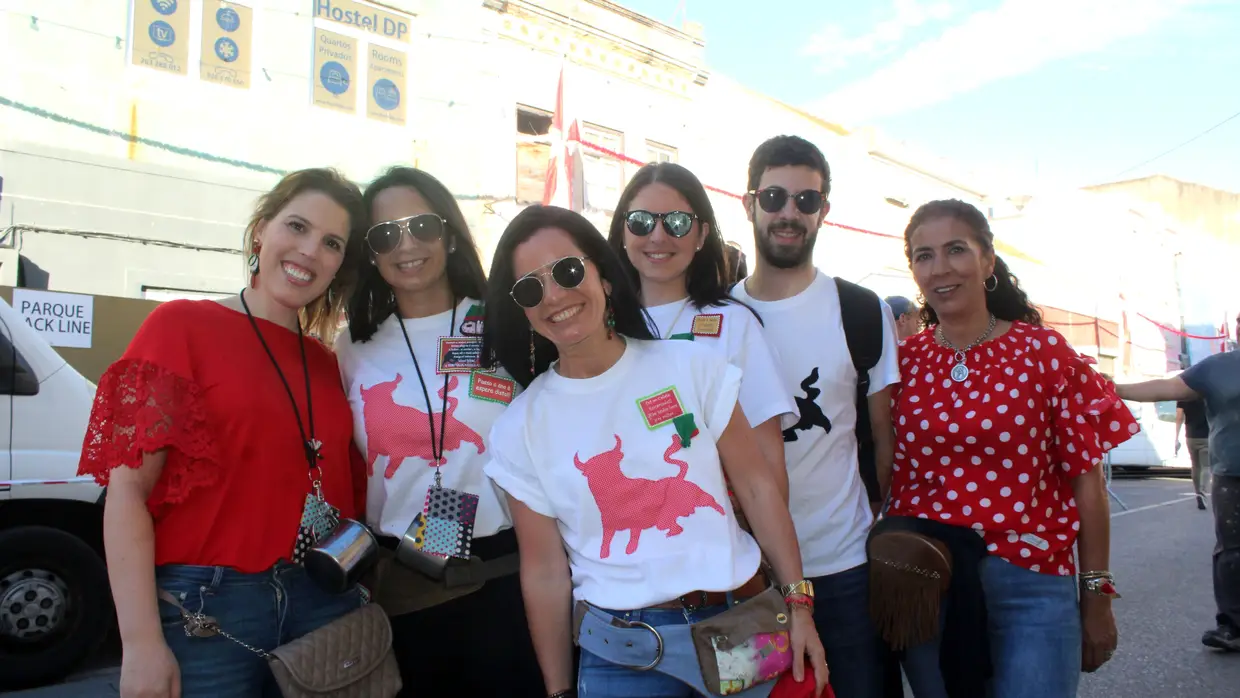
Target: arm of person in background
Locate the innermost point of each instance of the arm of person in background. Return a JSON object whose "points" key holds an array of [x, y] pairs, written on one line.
{"points": [[1160, 390], [773, 528], [547, 588], [884, 440], [1094, 547], [148, 668]]}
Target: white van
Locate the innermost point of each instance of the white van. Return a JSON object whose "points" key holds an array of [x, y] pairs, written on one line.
{"points": [[55, 603]]}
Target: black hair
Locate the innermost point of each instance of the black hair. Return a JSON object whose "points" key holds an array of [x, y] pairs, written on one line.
{"points": [[371, 299], [707, 275], [788, 151], [1007, 300], [507, 333]]}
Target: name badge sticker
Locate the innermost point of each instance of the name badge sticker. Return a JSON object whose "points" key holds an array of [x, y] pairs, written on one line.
{"points": [[492, 388], [661, 407], [459, 355], [707, 325]]}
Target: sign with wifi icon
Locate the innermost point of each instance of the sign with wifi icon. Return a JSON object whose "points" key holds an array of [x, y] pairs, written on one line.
{"points": [[160, 35]]}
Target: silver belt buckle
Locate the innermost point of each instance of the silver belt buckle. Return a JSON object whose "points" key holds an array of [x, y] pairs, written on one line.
{"points": [[658, 652]]}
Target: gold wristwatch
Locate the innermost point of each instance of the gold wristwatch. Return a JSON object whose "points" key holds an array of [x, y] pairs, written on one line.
{"points": [[803, 587]]}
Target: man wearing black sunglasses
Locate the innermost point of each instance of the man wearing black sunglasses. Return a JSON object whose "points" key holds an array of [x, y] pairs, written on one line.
{"points": [[840, 450]]}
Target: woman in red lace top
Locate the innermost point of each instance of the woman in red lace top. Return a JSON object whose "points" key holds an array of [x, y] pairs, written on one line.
{"points": [[203, 433], [1000, 428]]}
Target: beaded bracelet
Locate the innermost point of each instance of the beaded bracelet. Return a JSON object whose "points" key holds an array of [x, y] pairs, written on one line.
{"points": [[799, 600]]}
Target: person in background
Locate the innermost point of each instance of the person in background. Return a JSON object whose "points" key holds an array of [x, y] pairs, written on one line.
{"points": [[802, 310], [738, 268], [667, 239], [1191, 414], [1216, 381], [421, 412], [210, 433], [1001, 428], [907, 315], [614, 461]]}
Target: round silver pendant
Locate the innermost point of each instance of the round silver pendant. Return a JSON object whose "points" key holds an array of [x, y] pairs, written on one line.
{"points": [[960, 373]]}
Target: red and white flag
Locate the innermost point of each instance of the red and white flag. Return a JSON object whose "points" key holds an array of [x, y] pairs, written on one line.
{"points": [[565, 183]]}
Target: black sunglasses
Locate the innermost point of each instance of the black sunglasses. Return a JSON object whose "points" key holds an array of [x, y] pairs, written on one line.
{"points": [[566, 272], [772, 199], [676, 223], [385, 237]]}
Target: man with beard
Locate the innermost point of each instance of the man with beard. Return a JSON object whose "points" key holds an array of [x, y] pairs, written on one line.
{"points": [[804, 312]]}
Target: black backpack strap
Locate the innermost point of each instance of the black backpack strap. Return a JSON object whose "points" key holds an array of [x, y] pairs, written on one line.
{"points": [[862, 315]]}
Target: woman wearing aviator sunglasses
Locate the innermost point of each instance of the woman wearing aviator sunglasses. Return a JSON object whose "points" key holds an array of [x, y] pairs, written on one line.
{"points": [[421, 410], [665, 233], [614, 461]]}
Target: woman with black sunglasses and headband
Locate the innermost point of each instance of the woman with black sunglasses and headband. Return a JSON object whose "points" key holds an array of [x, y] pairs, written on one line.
{"points": [[422, 410], [614, 462], [666, 236]]}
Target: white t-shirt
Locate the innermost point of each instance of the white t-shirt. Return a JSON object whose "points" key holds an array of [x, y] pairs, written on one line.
{"points": [[828, 500], [733, 330], [391, 426], [644, 520]]}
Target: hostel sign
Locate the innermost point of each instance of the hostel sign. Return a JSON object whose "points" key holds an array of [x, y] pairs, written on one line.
{"points": [[364, 17], [160, 35], [63, 319]]}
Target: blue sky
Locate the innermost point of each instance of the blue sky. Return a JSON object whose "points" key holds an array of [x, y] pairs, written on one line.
{"points": [[1037, 92]]}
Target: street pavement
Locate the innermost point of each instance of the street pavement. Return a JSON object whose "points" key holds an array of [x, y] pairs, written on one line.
{"points": [[1160, 553]]}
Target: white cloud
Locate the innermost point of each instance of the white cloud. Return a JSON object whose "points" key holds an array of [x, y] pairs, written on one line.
{"points": [[1016, 38], [833, 49]]}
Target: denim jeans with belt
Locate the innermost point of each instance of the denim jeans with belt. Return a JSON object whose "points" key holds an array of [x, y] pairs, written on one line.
{"points": [[1035, 637], [264, 610]]}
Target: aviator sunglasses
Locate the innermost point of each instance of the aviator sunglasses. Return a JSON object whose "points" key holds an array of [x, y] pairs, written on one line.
{"points": [[772, 199], [385, 237], [566, 272], [676, 223]]}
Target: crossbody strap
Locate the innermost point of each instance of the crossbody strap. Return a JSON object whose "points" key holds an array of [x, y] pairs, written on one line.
{"points": [[201, 625]]}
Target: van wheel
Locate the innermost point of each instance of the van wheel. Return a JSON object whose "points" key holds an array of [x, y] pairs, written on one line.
{"points": [[55, 605]]}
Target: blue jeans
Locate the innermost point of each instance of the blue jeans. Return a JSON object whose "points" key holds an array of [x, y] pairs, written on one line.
{"points": [[264, 610], [842, 616], [1035, 637], [599, 678]]}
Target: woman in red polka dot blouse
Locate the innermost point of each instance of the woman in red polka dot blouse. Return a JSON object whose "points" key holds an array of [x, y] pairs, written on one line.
{"points": [[1000, 428]]}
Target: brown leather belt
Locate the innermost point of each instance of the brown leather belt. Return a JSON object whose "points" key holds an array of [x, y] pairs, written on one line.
{"points": [[695, 600]]}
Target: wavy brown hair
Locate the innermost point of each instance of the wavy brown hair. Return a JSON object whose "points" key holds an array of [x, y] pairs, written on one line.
{"points": [[320, 317]]}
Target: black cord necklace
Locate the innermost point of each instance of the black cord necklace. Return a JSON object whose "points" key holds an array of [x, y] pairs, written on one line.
{"points": [[311, 445], [436, 450]]}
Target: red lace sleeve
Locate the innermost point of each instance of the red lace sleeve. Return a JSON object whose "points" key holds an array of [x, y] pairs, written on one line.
{"points": [[1089, 417], [148, 401]]}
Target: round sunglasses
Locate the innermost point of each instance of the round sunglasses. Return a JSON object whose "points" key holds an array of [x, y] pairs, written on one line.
{"points": [[566, 272], [385, 237], [676, 223], [772, 199]]}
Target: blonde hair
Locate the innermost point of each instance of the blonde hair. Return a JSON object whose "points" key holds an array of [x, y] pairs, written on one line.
{"points": [[320, 317]]}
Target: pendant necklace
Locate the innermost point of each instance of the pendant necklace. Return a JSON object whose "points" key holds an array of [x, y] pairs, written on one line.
{"points": [[960, 372]]}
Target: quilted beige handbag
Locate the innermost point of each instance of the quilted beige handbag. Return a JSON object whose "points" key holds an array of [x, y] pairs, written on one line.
{"points": [[351, 657]]}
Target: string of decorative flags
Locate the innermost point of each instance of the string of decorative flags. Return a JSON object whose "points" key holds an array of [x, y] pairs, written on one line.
{"points": [[634, 161]]}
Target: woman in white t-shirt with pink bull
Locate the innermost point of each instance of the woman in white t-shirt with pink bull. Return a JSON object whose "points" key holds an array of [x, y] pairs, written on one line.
{"points": [[613, 460], [667, 238]]}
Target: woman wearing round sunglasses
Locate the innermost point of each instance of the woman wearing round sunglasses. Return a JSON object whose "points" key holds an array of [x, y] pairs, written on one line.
{"points": [[421, 411], [614, 462], [669, 244]]}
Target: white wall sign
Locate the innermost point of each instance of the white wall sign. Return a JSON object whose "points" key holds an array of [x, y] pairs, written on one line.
{"points": [[64, 319]]}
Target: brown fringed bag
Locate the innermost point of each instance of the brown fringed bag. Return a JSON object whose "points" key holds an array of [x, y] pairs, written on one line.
{"points": [[909, 574]]}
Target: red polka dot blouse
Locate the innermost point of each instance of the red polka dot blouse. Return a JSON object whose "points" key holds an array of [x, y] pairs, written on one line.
{"points": [[998, 451]]}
